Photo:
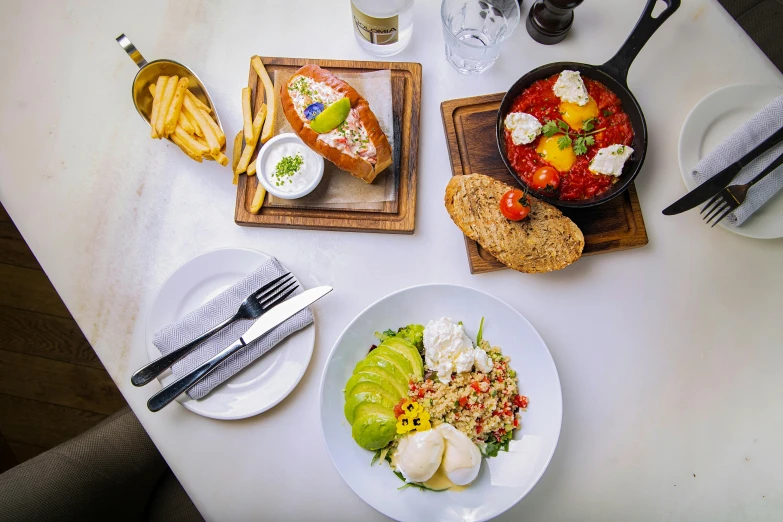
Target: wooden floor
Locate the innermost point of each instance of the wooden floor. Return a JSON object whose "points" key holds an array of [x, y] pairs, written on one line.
{"points": [[52, 385]]}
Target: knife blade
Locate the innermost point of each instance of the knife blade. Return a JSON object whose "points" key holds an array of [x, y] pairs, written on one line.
{"points": [[720, 180], [267, 322]]}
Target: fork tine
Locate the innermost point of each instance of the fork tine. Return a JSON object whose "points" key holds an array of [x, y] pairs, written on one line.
{"points": [[715, 213], [274, 296], [712, 201], [280, 299], [269, 284], [728, 211], [712, 213], [275, 288]]}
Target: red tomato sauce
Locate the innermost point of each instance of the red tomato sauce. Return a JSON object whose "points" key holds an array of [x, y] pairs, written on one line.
{"points": [[540, 101]]}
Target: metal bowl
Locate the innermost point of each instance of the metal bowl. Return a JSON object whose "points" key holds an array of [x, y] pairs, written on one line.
{"points": [[148, 74]]}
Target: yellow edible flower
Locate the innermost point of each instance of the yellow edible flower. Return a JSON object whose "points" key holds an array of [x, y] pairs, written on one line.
{"points": [[404, 424], [422, 422], [413, 417], [411, 408]]}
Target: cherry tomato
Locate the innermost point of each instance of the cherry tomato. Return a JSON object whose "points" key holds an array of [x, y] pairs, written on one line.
{"points": [[515, 205], [545, 178]]}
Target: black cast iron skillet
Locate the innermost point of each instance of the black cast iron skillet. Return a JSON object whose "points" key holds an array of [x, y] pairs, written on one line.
{"points": [[613, 74]]}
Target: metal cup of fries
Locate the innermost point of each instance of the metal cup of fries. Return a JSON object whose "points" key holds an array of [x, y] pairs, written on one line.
{"points": [[176, 105]]}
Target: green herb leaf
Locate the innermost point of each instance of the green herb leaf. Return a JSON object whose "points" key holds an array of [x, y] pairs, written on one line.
{"points": [[607, 113], [563, 126], [563, 142], [480, 334], [588, 124], [549, 129], [375, 458], [579, 146], [589, 140]]}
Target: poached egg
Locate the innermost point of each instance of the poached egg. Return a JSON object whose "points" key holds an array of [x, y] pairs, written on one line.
{"points": [[461, 457], [419, 455]]}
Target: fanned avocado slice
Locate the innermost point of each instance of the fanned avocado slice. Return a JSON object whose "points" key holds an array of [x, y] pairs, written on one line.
{"points": [[375, 396], [386, 365], [377, 376], [409, 351], [374, 427], [395, 357]]}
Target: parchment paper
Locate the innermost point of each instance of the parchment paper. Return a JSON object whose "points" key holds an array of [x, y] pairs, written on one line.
{"points": [[339, 189]]}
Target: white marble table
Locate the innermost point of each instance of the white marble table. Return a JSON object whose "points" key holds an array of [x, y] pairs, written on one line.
{"points": [[671, 376]]}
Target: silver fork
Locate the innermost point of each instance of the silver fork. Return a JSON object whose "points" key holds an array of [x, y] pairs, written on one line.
{"points": [[256, 304], [732, 196]]}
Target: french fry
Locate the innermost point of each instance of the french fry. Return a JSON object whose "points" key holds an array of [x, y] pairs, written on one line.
{"points": [[209, 135], [193, 121], [258, 199], [250, 146], [190, 141], [185, 148], [247, 115], [271, 98], [203, 142], [198, 103], [157, 92], [251, 169], [215, 128], [165, 102], [184, 122], [172, 115], [221, 158], [236, 154]]}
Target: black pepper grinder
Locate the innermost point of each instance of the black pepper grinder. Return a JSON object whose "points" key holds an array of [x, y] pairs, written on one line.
{"points": [[548, 21]]}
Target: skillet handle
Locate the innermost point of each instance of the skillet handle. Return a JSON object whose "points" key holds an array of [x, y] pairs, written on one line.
{"points": [[618, 66]]}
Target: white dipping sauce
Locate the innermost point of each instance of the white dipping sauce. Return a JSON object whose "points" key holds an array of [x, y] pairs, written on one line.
{"points": [[303, 178]]}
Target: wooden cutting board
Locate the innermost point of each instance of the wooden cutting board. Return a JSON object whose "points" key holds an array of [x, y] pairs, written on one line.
{"points": [[469, 124], [396, 216]]}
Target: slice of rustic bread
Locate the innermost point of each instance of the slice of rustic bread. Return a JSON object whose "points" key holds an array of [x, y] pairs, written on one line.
{"points": [[544, 241]]}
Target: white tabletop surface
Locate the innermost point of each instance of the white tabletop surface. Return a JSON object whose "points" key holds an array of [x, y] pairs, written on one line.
{"points": [[670, 355]]}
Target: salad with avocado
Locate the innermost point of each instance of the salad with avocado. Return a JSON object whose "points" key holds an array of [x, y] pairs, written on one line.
{"points": [[432, 403]]}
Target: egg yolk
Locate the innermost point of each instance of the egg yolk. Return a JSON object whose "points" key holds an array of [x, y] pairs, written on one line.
{"points": [[550, 151], [575, 115]]}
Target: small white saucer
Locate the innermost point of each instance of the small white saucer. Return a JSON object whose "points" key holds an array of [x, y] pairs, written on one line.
{"points": [[712, 120], [262, 384]]}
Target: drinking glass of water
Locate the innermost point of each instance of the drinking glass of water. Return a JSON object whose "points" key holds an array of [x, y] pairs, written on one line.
{"points": [[474, 30]]}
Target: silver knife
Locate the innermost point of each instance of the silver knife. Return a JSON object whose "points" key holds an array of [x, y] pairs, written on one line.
{"points": [[720, 180], [270, 320]]}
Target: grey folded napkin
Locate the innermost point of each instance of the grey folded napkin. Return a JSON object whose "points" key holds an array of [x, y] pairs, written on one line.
{"points": [[742, 141], [214, 312]]}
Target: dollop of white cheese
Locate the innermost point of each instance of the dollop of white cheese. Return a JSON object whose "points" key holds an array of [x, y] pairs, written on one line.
{"points": [[482, 360], [610, 160], [444, 343], [524, 127], [569, 87], [447, 349]]}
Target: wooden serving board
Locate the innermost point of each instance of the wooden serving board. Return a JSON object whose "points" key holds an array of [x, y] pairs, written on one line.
{"points": [[470, 135], [396, 216]]}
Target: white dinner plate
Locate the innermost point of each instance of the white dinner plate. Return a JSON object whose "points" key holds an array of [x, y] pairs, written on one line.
{"points": [[712, 120], [503, 481], [265, 382]]}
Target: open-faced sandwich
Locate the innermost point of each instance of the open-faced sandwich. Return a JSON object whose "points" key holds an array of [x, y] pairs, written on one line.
{"points": [[336, 122], [523, 233]]}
